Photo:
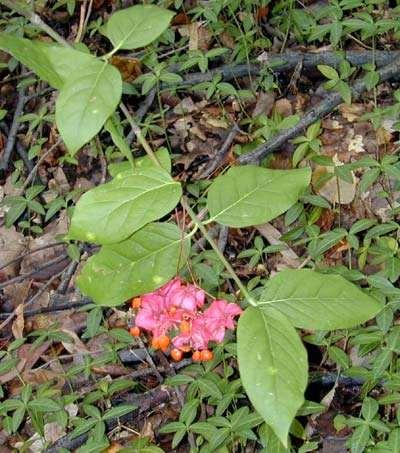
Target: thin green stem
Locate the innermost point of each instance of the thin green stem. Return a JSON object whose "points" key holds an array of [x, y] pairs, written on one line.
{"points": [[224, 261], [138, 132]]}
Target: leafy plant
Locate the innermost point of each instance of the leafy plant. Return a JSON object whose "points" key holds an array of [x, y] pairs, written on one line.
{"points": [[139, 253]]}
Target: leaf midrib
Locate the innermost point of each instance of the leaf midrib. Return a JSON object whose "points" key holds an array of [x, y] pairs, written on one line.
{"points": [[248, 194], [149, 254]]}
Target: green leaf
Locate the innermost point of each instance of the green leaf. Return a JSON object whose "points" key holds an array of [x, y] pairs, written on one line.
{"points": [[83, 427], [311, 407], [318, 301], [172, 427], [270, 442], [85, 102], [65, 60], [143, 162], [344, 90], [251, 195], [111, 212], [17, 418], [119, 411], [31, 54], [44, 405], [339, 356], [328, 72], [369, 408], [273, 367], [142, 263], [17, 207], [137, 26]]}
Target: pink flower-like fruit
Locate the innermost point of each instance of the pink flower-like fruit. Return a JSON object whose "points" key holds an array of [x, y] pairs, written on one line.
{"points": [[175, 307]]}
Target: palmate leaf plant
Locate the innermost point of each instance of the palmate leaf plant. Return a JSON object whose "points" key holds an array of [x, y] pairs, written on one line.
{"points": [[139, 253]]}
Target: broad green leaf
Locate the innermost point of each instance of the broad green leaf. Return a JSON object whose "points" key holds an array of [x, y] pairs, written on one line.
{"points": [[142, 263], [30, 53], [137, 26], [328, 72], [273, 367], [44, 405], [86, 101], [318, 301], [142, 162], [251, 195], [119, 411], [111, 212], [270, 442], [65, 60]]}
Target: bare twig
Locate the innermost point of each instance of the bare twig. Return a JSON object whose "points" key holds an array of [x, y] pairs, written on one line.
{"points": [[32, 173], [315, 113], [31, 252], [150, 361], [288, 60], [141, 112], [138, 132], [31, 300], [62, 289], [19, 278], [13, 130], [220, 156], [24, 156]]}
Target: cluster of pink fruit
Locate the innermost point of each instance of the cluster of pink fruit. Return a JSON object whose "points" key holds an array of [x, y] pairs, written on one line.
{"points": [[175, 317]]}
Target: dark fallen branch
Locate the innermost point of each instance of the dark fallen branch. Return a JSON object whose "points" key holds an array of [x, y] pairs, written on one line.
{"points": [[144, 403], [13, 130], [288, 60], [36, 273], [31, 252], [221, 154], [312, 115]]}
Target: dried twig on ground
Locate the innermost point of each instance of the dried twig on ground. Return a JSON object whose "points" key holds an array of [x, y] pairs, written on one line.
{"points": [[19, 278], [13, 130], [221, 154], [144, 403], [315, 113], [288, 60]]}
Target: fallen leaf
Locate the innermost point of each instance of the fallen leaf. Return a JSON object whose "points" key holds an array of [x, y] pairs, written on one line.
{"points": [[12, 245], [264, 104], [351, 112], [18, 324], [28, 356], [130, 68], [53, 431], [283, 107], [336, 190]]}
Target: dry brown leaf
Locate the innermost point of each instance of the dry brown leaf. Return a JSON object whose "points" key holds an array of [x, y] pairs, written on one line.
{"points": [[12, 245], [59, 183], [284, 107], [28, 356], [76, 345], [336, 190], [40, 376], [17, 293], [264, 104], [130, 68], [18, 325], [53, 431], [351, 112], [199, 36], [273, 237], [37, 259]]}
